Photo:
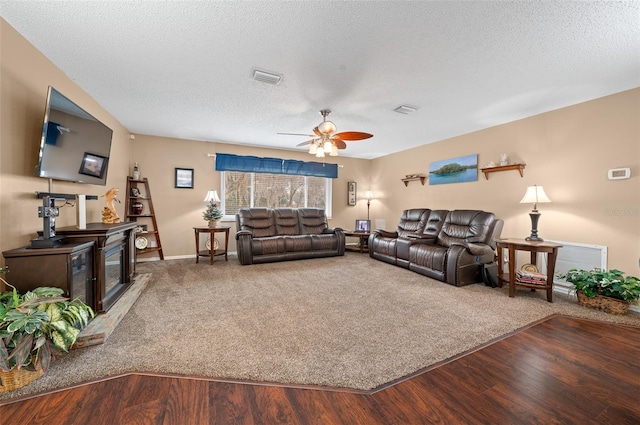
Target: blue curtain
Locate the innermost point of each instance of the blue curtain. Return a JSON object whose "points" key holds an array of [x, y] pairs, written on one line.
{"points": [[254, 164]]}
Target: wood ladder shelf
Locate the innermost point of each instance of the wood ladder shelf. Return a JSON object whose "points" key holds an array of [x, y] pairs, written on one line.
{"points": [[487, 170], [135, 194]]}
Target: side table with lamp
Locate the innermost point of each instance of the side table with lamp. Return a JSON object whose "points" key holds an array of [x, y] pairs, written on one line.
{"points": [[534, 245]]}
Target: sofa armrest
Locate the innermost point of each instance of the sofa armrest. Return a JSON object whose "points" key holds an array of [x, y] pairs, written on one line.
{"points": [[384, 233], [244, 249], [418, 239], [243, 233], [333, 230], [476, 249], [480, 249]]}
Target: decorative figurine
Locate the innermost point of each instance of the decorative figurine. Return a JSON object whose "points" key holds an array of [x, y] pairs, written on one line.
{"points": [[109, 214], [504, 159]]}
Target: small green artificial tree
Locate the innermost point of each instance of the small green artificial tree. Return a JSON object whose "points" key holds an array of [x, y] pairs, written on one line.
{"points": [[213, 212]]}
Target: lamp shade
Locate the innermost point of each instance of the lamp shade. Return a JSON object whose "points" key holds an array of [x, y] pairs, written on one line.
{"points": [[534, 195], [368, 195], [334, 150], [212, 195]]}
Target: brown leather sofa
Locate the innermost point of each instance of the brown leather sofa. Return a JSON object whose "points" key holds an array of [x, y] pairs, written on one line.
{"points": [[450, 246], [278, 234]]}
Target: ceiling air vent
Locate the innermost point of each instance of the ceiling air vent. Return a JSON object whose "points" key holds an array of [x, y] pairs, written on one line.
{"points": [[405, 109], [267, 77]]}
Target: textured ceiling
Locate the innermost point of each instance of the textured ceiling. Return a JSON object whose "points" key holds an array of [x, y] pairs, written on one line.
{"points": [[182, 68]]}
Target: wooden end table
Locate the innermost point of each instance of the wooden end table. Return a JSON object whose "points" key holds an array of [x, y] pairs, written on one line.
{"points": [[211, 253], [534, 247], [363, 238]]}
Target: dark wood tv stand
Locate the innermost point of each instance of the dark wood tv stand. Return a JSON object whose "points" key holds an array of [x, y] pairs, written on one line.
{"points": [[114, 258]]}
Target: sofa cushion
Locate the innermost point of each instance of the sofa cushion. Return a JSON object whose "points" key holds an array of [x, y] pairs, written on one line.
{"points": [[466, 226], [268, 245], [297, 243], [434, 223], [258, 221], [324, 242], [412, 222], [430, 256], [286, 220], [312, 221]]}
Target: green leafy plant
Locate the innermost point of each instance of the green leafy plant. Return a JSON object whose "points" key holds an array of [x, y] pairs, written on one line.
{"points": [[38, 324], [213, 212], [610, 283]]}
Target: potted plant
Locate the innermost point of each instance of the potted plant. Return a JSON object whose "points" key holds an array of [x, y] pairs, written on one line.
{"points": [[608, 291], [212, 214], [33, 327]]}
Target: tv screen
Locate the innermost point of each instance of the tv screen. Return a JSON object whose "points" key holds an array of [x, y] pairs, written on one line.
{"points": [[74, 146]]}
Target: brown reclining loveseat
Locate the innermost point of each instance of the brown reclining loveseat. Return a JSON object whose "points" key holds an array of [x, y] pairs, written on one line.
{"points": [[277, 234], [450, 246]]}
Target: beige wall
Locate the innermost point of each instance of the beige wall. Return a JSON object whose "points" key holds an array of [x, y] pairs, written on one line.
{"points": [[25, 75], [179, 210], [567, 151]]}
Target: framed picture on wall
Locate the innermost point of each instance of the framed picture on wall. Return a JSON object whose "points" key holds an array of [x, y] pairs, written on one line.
{"points": [[352, 188], [184, 178], [93, 165]]}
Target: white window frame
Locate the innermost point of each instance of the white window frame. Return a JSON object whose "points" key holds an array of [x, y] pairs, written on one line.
{"points": [[328, 195]]}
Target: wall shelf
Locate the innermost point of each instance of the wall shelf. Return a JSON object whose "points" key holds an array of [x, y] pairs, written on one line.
{"points": [[487, 170], [420, 177]]}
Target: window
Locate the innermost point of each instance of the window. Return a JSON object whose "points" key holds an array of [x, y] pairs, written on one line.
{"points": [[243, 190]]}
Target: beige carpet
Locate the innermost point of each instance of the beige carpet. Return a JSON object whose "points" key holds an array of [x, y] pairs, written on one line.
{"points": [[347, 321]]}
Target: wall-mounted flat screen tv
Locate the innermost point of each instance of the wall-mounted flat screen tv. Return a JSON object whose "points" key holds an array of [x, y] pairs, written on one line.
{"points": [[75, 146]]}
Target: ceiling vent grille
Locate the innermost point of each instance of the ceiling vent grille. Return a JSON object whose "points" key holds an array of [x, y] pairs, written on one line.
{"points": [[405, 109], [267, 77]]}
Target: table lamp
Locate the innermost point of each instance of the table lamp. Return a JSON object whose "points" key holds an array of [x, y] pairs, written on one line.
{"points": [[534, 195], [212, 195], [369, 195]]}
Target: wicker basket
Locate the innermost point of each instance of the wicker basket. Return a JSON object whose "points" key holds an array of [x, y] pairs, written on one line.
{"points": [[15, 378], [606, 304]]}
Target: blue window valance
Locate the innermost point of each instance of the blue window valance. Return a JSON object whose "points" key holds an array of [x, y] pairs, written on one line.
{"points": [[254, 164]]}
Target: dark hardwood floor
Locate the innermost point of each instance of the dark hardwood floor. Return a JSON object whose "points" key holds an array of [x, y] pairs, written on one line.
{"points": [[559, 371]]}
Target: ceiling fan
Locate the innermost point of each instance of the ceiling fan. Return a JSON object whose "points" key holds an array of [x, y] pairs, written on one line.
{"points": [[325, 140]]}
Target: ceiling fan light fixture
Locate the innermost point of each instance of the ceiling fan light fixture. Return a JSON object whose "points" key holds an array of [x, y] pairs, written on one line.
{"points": [[334, 150], [320, 153], [267, 77], [313, 148], [326, 146], [327, 127], [405, 109]]}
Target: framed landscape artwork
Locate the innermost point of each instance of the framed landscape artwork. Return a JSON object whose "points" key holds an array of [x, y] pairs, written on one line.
{"points": [[455, 170], [184, 178]]}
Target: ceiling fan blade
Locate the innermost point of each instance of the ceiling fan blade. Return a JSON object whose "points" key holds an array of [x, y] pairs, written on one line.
{"points": [[297, 134], [339, 143], [308, 142], [353, 135], [315, 130]]}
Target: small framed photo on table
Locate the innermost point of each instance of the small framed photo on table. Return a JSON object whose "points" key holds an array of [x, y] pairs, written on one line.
{"points": [[184, 178]]}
